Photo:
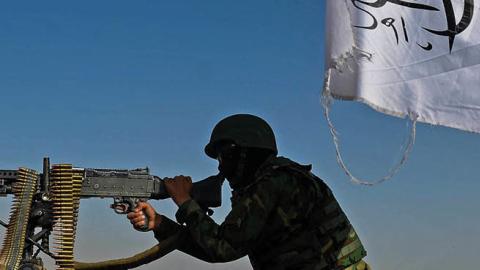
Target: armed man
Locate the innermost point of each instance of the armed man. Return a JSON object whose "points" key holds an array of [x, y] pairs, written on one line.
{"points": [[283, 217]]}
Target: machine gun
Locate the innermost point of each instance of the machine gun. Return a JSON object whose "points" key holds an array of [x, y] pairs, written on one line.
{"points": [[50, 201]]}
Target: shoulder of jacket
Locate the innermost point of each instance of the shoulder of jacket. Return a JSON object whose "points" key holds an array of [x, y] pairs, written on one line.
{"points": [[277, 165], [276, 168]]}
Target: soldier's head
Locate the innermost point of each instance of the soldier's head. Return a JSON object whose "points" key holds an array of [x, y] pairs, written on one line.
{"points": [[241, 143]]}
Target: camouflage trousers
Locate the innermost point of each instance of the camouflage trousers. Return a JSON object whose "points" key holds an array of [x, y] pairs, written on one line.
{"points": [[361, 265]]}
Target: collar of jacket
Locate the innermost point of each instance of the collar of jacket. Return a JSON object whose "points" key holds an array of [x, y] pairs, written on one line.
{"points": [[271, 164]]}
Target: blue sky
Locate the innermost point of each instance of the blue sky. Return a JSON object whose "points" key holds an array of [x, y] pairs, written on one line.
{"points": [[125, 85]]}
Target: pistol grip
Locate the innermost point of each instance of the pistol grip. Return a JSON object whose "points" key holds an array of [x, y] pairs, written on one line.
{"points": [[128, 205], [144, 228]]}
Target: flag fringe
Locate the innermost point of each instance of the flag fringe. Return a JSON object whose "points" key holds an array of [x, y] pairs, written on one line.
{"points": [[327, 102]]}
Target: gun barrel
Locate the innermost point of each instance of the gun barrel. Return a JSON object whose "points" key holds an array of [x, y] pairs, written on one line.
{"points": [[8, 174], [7, 177]]}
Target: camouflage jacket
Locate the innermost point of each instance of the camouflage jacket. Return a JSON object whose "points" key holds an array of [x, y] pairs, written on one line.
{"points": [[286, 219]]}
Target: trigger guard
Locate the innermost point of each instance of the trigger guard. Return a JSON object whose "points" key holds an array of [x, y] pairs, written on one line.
{"points": [[119, 209]]}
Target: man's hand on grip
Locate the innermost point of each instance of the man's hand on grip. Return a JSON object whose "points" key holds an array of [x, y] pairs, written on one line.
{"points": [[138, 217]]}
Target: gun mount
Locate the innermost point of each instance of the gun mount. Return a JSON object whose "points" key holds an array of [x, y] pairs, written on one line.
{"points": [[50, 201]]}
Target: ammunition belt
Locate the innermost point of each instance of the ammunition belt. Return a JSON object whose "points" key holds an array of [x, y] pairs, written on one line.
{"points": [[66, 189], [14, 241]]}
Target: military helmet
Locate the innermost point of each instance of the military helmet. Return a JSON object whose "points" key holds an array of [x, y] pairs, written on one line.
{"points": [[245, 130]]}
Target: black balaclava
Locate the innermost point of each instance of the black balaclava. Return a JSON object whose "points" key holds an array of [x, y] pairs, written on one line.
{"points": [[239, 165]]}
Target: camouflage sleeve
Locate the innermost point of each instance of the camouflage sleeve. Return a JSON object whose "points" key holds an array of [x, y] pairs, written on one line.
{"points": [[166, 228], [169, 227], [240, 230]]}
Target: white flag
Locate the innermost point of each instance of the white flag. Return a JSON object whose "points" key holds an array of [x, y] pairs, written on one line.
{"points": [[401, 57]]}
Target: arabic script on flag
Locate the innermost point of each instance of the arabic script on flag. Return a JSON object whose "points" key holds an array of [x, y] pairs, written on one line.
{"points": [[404, 58]]}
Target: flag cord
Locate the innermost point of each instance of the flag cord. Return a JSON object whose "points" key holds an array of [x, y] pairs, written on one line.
{"points": [[327, 101]]}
